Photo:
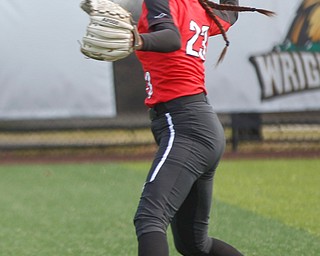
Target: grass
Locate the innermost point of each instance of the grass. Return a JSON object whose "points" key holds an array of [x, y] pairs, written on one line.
{"points": [[263, 207], [285, 190]]}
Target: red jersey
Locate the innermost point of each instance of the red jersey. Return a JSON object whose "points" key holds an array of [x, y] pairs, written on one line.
{"points": [[179, 73]]}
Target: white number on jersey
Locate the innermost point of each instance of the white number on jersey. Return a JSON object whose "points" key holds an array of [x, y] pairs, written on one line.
{"points": [[149, 88], [198, 33]]}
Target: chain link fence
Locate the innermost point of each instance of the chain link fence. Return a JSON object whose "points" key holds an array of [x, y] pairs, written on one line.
{"points": [[129, 136]]}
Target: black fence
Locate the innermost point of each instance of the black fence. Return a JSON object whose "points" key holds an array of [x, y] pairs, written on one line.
{"points": [[245, 132]]}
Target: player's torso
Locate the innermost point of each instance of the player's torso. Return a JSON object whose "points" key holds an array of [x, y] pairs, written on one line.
{"points": [[179, 73]]}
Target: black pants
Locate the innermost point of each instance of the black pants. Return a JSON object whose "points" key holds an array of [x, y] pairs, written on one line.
{"points": [[178, 189]]}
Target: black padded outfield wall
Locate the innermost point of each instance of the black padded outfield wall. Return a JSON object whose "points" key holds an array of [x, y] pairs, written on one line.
{"points": [[130, 86]]}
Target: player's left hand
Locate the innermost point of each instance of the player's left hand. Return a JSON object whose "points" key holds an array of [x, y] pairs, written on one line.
{"points": [[111, 35]]}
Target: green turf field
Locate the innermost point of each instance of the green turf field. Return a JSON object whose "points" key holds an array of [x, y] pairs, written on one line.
{"points": [[263, 207]]}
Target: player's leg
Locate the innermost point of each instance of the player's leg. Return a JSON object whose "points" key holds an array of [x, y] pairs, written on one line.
{"points": [[153, 243], [190, 224], [159, 201], [191, 142], [175, 168]]}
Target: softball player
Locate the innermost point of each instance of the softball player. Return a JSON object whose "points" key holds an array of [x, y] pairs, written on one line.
{"points": [[178, 189]]}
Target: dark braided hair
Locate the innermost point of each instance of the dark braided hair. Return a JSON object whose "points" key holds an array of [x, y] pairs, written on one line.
{"points": [[210, 6]]}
